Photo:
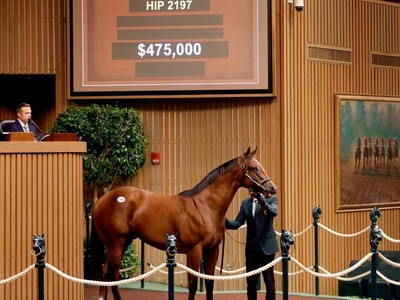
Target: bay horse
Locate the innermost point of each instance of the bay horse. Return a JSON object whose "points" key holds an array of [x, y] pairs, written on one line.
{"points": [[196, 217], [390, 153], [382, 154], [395, 151], [376, 152], [365, 153], [357, 155]]}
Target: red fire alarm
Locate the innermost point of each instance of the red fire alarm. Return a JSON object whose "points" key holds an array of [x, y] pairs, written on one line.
{"points": [[155, 158]]}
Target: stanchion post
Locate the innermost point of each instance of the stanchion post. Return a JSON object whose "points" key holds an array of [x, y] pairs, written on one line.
{"points": [[88, 209], [375, 237], [87, 271], [201, 279], [286, 241], [39, 247], [171, 264], [142, 262], [317, 212]]}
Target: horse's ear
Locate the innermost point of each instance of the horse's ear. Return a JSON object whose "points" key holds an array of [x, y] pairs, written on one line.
{"points": [[247, 152], [254, 151]]}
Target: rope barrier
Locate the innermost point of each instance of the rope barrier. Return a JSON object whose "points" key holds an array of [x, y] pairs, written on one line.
{"points": [[333, 275], [338, 275], [231, 271], [292, 273], [165, 272], [387, 279], [16, 276], [388, 261], [302, 232], [295, 235], [348, 278], [129, 268], [105, 283], [344, 235], [389, 238], [230, 277]]}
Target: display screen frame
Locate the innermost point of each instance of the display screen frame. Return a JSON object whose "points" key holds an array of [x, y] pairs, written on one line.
{"points": [[81, 69]]}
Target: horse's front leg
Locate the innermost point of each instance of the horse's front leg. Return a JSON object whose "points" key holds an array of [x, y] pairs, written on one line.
{"points": [[209, 267], [193, 259]]}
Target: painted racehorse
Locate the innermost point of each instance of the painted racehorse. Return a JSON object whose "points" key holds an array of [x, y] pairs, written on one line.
{"points": [[357, 155], [395, 151], [365, 151], [390, 153], [376, 152], [196, 217], [382, 153]]}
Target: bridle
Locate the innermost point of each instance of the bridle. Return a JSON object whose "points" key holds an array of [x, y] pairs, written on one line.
{"points": [[258, 184]]}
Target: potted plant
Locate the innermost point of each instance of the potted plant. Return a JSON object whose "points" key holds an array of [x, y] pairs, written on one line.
{"points": [[115, 142]]}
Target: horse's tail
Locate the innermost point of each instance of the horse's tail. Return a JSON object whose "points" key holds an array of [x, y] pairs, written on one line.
{"points": [[97, 255]]}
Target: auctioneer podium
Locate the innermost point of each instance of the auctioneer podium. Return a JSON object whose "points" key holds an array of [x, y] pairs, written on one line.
{"points": [[41, 192]]}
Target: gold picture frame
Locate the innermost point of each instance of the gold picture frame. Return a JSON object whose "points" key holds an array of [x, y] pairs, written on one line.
{"points": [[367, 127]]}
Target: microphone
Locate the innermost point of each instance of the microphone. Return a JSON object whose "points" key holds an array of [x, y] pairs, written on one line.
{"points": [[38, 128], [34, 124]]}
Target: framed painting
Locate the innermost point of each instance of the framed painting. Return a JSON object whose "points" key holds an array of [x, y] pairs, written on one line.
{"points": [[367, 155]]}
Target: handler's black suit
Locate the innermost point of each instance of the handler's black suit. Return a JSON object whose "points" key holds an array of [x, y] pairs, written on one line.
{"points": [[261, 242]]}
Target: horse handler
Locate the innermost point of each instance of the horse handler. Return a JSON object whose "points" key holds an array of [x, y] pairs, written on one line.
{"points": [[261, 242]]}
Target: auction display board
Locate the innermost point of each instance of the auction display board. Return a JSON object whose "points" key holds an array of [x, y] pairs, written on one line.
{"points": [[175, 46]]}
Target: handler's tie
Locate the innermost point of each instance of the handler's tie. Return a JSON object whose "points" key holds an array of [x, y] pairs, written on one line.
{"points": [[26, 128], [254, 206]]}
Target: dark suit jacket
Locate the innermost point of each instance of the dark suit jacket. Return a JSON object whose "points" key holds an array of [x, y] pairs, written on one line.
{"points": [[260, 228], [16, 127]]}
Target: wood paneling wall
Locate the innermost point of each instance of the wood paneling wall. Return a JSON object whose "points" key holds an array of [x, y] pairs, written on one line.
{"points": [[41, 193], [33, 41], [308, 110], [295, 131]]}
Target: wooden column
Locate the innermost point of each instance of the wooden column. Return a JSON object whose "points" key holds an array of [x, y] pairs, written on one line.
{"points": [[41, 192]]}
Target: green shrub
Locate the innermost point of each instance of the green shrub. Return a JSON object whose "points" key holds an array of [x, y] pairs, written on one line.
{"points": [[129, 260], [115, 141]]}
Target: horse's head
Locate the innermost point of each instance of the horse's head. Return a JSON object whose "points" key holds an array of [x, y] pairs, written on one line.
{"points": [[171, 244], [39, 245], [256, 178], [317, 212], [374, 215], [286, 240]]}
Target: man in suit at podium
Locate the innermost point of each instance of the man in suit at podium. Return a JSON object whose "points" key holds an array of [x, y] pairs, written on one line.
{"points": [[23, 122]]}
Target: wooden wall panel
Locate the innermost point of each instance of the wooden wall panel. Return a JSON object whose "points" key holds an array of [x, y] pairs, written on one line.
{"points": [[308, 109], [41, 193], [33, 41]]}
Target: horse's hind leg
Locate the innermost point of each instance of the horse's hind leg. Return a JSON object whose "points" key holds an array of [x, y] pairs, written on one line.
{"points": [[103, 293], [103, 289], [114, 263]]}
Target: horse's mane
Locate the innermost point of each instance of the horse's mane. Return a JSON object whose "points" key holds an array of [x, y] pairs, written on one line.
{"points": [[206, 181]]}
